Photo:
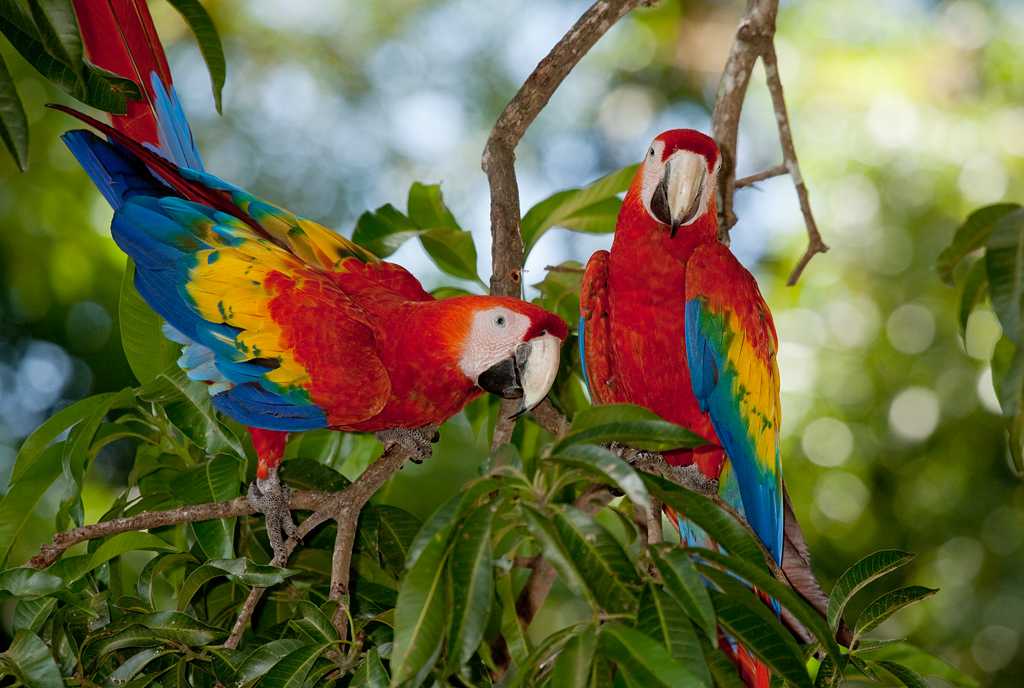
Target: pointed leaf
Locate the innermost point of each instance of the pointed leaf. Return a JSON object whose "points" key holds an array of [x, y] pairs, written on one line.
{"points": [[557, 554], [642, 660], [630, 425], [600, 461], [687, 587], [24, 495], [384, 230], [865, 571], [421, 611], [516, 639], [116, 545], [30, 661], [208, 39], [58, 29], [593, 208], [371, 673], [754, 625], [13, 122], [974, 292], [453, 251], [917, 659], [31, 614], [1004, 263], [888, 604], [130, 667], [905, 675], [396, 531], [28, 583], [971, 236], [610, 574], [661, 617], [291, 671], [575, 662], [263, 658], [719, 525], [472, 576], [214, 481], [438, 527]]}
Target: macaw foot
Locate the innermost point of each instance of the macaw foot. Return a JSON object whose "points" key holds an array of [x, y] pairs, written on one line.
{"points": [[419, 442], [270, 497]]}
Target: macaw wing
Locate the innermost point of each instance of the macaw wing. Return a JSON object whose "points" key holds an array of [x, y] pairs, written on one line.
{"points": [[595, 341], [279, 341], [730, 350]]}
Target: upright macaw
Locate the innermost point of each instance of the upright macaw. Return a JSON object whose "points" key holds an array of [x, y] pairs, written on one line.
{"points": [[292, 326], [672, 321]]}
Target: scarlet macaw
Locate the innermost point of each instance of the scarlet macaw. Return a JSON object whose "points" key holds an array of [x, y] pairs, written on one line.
{"points": [[671, 320], [292, 326]]}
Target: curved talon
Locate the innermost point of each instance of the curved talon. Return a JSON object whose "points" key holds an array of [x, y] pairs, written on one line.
{"points": [[270, 497]]}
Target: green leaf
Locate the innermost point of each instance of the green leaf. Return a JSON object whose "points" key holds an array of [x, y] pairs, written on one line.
{"points": [[206, 35], [594, 208], [130, 667], [629, 424], [555, 551], [471, 567], [512, 630], [687, 587], [754, 625], [195, 417], [53, 427], [917, 659], [58, 28], [661, 617], [421, 613], [719, 525], [19, 504], [258, 662], [158, 568], [315, 623], [214, 481], [610, 574], [575, 662], [30, 661], [149, 353], [722, 669], [25, 582], [868, 569], [396, 531], [974, 292], [905, 675], [453, 250], [427, 209], [291, 671], [783, 594], [384, 230], [116, 545], [888, 604], [13, 123], [642, 660], [1004, 262], [601, 462], [31, 614], [438, 527], [971, 236], [560, 291], [371, 673]]}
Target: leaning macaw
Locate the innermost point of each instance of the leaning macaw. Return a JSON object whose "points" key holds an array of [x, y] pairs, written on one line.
{"points": [[672, 321], [292, 326]]}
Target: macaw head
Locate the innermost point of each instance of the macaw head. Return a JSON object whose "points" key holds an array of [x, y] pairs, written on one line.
{"points": [[508, 347], [677, 177]]}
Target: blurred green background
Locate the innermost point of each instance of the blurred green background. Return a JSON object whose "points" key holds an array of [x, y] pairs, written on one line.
{"points": [[906, 113]]}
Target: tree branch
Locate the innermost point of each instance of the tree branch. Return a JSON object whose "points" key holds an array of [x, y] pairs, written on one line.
{"points": [[755, 38], [498, 161], [343, 507]]}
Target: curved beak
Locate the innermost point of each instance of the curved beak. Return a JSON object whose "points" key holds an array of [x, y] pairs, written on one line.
{"points": [[527, 375], [679, 195]]}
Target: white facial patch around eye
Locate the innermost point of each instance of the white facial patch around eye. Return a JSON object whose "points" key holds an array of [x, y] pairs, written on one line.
{"points": [[654, 169], [493, 337]]}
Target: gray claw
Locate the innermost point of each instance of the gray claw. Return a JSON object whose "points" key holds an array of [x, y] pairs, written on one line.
{"points": [[270, 498], [418, 442]]}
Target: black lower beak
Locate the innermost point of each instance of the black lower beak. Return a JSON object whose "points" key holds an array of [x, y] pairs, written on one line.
{"points": [[502, 379], [659, 201]]}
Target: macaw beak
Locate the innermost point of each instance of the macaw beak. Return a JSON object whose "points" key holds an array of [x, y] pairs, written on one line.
{"points": [[527, 375], [679, 195]]}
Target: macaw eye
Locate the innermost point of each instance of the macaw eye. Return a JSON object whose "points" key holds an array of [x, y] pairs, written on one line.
{"points": [[500, 321], [651, 152]]}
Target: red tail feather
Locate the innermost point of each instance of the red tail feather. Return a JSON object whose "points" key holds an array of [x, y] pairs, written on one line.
{"points": [[119, 36]]}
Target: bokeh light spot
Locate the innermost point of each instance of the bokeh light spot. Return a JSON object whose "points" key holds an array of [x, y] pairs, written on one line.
{"points": [[911, 328], [827, 442], [994, 647], [841, 496], [914, 413]]}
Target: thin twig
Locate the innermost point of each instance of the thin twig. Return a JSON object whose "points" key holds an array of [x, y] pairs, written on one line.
{"points": [[498, 161], [343, 507], [750, 180], [755, 39], [814, 243], [49, 553]]}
